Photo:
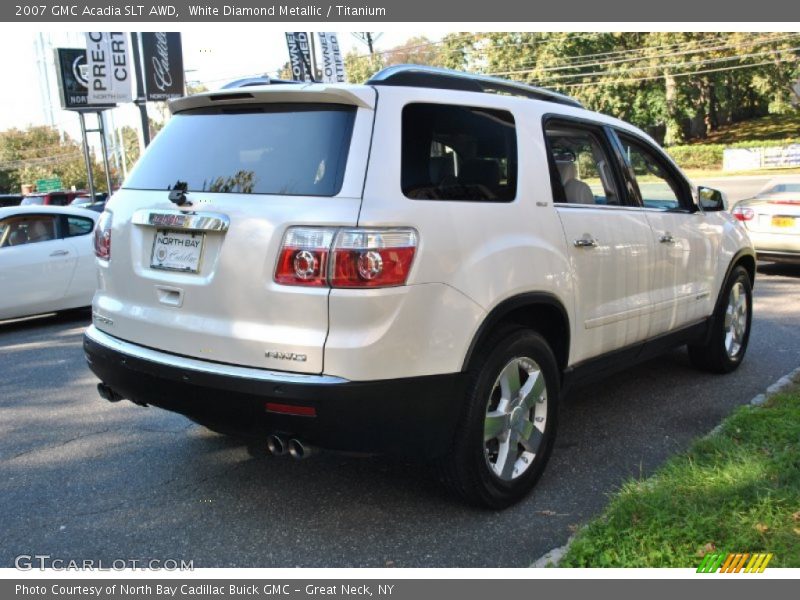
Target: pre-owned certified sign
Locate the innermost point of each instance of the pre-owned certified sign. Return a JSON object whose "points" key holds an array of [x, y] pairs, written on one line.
{"points": [[109, 70]]}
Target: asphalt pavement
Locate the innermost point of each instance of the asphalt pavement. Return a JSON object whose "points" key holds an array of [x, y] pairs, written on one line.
{"points": [[81, 478], [741, 187]]}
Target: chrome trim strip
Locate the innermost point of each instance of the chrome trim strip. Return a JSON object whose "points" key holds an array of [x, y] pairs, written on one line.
{"points": [[623, 207], [204, 366], [176, 219]]}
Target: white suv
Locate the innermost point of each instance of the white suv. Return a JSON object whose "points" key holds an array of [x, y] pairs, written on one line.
{"points": [[416, 266]]}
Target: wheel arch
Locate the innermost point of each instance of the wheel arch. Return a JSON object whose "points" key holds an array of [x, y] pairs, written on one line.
{"points": [[745, 257], [540, 311]]}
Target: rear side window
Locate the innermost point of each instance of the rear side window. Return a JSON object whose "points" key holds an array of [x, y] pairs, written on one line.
{"points": [[79, 226], [458, 153], [27, 229], [286, 149]]}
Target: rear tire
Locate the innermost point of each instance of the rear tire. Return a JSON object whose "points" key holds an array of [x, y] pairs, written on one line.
{"points": [[730, 327], [506, 433]]}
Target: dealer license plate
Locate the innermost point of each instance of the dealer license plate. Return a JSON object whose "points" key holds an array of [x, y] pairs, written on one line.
{"points": [[783, 221], [177, 250]]}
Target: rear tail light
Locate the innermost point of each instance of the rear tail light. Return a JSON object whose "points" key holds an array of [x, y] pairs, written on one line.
{"points": [[743, 213], [790, 201], [346, 258], [372, 257], [102, 236], [303, 259]]}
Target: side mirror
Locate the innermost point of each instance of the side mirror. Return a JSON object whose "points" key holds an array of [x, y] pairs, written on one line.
{"points": [[711, 199]]}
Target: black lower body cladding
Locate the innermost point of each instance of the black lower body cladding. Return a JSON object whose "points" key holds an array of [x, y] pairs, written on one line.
{"points": [[411, 417]]}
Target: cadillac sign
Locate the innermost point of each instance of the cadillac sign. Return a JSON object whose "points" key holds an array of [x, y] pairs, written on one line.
{"points": [[73, 80], [163, 65]]}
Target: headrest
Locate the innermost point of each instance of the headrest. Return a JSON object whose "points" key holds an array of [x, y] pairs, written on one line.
{"points": [[441, 167], [481, 171], [567, 170]]}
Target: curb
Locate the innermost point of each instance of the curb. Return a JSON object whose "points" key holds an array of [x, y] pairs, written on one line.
{"points": [[553, 557]]}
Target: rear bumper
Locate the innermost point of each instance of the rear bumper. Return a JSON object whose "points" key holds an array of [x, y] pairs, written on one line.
{"points": [[412, 417], [776, 246]]}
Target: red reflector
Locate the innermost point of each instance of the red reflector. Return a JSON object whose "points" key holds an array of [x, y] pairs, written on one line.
{"points": [[291, 409]]}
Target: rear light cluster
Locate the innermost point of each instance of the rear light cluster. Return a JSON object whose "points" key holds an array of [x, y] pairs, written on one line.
{"points": [[346, 258], [102, 236], [743, 213]]}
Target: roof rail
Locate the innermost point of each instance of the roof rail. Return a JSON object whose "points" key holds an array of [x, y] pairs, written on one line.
{"points": [[448, 79]]}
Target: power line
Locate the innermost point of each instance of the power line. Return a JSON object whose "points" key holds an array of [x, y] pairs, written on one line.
{"points": [[606, 73], [643, 57], [654, 77]]}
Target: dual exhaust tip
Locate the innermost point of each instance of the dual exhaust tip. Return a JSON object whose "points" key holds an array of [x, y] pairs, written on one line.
{"points": [[279, 446], [276, 445]]}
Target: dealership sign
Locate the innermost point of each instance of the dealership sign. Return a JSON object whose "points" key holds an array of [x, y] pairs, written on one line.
{"points": [[109, 69], [299, 55], [73, 80], [332, 63], [163, 65]]}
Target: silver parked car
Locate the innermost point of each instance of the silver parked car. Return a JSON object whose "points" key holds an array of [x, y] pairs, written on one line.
{"points": [[772, 219]]}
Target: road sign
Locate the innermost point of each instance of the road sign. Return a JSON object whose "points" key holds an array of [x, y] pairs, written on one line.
{"points": [[48, 185]]}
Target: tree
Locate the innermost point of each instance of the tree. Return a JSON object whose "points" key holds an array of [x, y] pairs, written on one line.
{"points": [[360, 68], [41, 152]]}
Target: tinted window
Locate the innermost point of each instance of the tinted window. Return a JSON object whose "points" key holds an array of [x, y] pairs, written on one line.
{"points": [[658, 187], [458, 153], [16, 231], [582, 171], [59, 199], [79, 226], [291, 149]]}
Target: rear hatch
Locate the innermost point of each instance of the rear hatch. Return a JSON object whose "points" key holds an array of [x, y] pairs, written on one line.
{"points": [[197, 279], [777, 213]]}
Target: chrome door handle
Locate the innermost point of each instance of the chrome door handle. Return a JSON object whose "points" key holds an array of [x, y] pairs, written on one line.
{"points": [[59, 253], [586, 242], [667, 239]]}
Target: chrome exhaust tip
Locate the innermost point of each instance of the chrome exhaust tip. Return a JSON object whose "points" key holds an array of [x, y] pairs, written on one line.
{"points": [[276, 446], [298, 450]]}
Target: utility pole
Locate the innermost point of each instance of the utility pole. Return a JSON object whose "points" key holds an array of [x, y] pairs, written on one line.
{"points": [[366, 37], [141, 99]]}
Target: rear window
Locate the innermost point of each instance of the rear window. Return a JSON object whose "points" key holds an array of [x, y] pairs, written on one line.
{"points": [[28, 200], [783, 188], [286, 149], [458, 153]]}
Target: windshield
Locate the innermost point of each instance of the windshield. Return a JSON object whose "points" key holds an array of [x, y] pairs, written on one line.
{"points": [[287, 149]]}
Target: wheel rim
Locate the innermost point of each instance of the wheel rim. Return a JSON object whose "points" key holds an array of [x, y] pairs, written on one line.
{"points": [[516, 416], [736, 315]]}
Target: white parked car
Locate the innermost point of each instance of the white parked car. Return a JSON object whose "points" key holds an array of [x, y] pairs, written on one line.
{"points": [[47, 260], [413, 266]]}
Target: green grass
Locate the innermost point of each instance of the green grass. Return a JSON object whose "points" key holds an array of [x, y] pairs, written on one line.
{"points": [[771, 127], [735, 491]]}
